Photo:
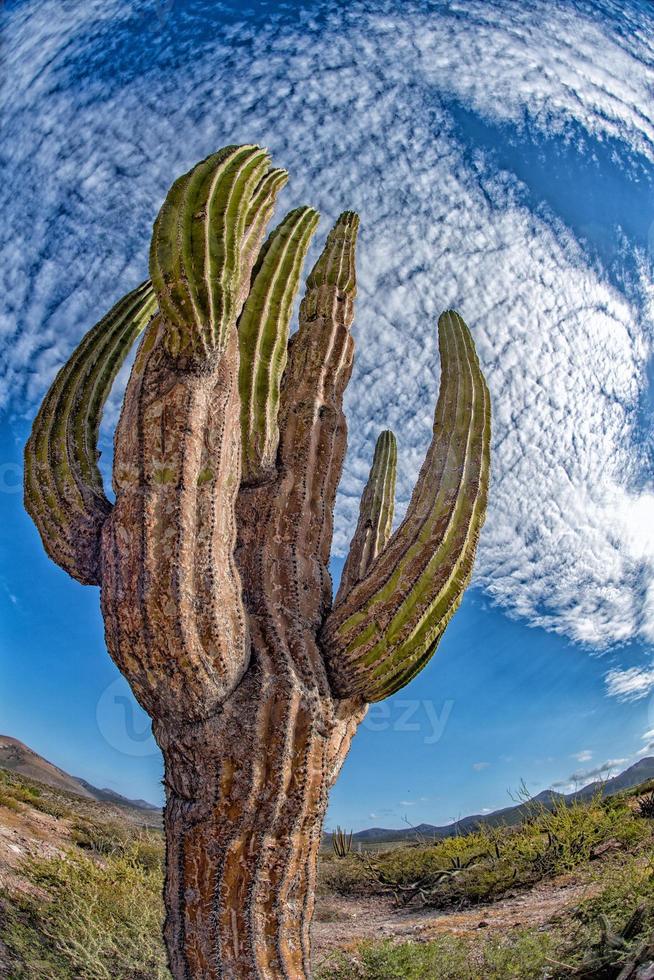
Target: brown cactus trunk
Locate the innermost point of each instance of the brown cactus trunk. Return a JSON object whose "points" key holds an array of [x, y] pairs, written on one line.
{"points": [[246, 797], [222, 595]]}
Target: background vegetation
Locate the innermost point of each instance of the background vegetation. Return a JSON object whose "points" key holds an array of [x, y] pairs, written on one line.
{"points": [[94, 910]]}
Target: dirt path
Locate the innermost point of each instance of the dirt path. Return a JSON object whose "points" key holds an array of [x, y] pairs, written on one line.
{"points": [[343, 922]]}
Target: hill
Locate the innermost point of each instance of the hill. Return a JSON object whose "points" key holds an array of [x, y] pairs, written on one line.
{"points": [[510, 816], [19, 758]]}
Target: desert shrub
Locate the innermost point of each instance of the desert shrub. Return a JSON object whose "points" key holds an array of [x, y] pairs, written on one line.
{"points": [[622, 887], [521, 954], [341, 876], [30, 952], [326, 912], [146, 847], [8, 801], [149, 850], [99, 921], [99, 837], [483, 865], [646, 806], [20, 790], [50, 805]]}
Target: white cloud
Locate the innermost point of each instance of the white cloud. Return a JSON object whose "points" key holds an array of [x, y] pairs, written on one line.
{"points": [[605, 771], [584, 756], [479, 766], [631, 684], [407, 802], [569, 540], [580, 69]]}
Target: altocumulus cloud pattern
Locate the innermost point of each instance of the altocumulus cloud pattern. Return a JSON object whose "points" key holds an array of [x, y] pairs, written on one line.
{"points": [[370, 107]]}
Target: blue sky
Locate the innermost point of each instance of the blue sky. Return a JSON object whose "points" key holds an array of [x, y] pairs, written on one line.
{"points": [[501, 156]]}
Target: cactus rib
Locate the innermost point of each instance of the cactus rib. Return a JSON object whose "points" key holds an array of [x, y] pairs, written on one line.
{"points": [[64, 493], [259, 214], [196, 259], [375, 514], [392, 621], [263, 337]]}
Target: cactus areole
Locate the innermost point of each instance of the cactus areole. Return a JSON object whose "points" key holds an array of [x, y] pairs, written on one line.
{"points": [[212, 562]]}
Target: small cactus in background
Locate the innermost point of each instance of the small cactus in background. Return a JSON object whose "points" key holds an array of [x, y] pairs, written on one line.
{"points": [[213, 560], [341, 842]]}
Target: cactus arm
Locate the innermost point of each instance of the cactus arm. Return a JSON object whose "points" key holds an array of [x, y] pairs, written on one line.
{"points": [[375, 515], [196, 259], [259, 214], [392, 620], [313, 431], [171, 594], [263, 338], [184, 645], [64, 494]]}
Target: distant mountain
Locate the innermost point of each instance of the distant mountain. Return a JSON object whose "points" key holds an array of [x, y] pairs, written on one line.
{"points": [[509, 816], [20, 758], [640, 772], [110, 796]]}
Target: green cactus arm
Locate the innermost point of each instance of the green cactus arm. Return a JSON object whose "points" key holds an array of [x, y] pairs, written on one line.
{"points": [[263, 338], [375, 515], [259, 214], [389, 625], [64, 493], [333, 277], [196, 255], [311, 421]]}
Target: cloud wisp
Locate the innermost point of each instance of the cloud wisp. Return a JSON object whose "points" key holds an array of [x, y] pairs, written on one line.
{"points": [[630, 684]]}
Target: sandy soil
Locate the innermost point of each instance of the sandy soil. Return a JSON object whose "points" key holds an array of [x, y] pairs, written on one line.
{"points": [[343, 922]]}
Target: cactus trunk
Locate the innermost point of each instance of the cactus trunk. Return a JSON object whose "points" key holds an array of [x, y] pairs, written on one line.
{"points": [[246, 797], [213, 561]]}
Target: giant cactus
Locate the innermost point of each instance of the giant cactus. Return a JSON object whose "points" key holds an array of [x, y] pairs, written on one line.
{"points": [[213, 559]]}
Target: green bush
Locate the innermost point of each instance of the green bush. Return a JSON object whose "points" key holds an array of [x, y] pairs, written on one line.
{"points": [[484, 865], [8, 801], [145, 846], [97, 837], [98, 921], [522, 955], [20, 790]]}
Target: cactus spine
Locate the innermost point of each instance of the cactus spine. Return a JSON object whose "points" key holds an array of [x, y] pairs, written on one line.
{"points": [[213, 560]]}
